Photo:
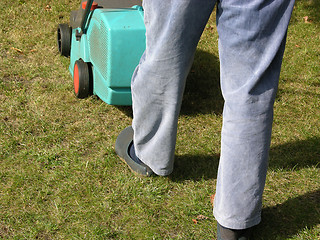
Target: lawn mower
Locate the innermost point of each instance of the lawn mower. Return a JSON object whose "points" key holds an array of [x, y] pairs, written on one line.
{"points": [[105, 41]]}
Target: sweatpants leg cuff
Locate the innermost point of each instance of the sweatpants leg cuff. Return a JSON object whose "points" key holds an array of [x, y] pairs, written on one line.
{"points": [[237, 224]]}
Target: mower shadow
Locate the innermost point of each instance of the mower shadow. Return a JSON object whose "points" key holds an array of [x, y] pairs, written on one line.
{"points": [[126, 110]]}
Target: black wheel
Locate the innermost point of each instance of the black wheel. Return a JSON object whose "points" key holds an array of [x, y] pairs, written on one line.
{"points": [[82, 79], [64, 39]]}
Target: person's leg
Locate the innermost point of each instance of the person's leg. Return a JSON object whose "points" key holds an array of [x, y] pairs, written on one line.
{"points": [[173, 29], [252, 37]]}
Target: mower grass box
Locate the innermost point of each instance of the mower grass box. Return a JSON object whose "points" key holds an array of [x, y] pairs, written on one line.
{"points": [[105, 43]]}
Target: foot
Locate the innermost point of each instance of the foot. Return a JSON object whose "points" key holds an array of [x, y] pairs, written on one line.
{"points": [[122, 148], [231, 234]]}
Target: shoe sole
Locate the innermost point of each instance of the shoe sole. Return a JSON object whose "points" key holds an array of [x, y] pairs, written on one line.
{"points": [[121, 147]]}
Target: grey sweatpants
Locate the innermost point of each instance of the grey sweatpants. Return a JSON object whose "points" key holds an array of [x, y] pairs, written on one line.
{"points": [[252, 37]]}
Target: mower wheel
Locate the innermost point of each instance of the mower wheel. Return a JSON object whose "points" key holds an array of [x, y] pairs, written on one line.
{"points": [[82, 79], [64, 33]]}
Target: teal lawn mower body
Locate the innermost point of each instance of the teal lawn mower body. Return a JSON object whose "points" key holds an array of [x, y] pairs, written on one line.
{"points": [[107, 40]]}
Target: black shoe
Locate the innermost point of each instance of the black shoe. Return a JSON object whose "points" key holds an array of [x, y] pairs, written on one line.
{"points": [[122, 147], [231, 234]]}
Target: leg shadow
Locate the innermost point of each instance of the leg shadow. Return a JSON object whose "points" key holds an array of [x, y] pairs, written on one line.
{"points": [[289, 156], [202, 92], [195, 167], [285, 220], [296, 155]]}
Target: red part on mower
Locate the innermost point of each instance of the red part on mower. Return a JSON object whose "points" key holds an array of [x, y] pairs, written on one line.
{"points": [[76, 79], [93, 7], [82, 79]]}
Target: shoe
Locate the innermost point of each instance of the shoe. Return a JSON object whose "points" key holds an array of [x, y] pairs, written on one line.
{"points": [[231, 234], [122, 147]]}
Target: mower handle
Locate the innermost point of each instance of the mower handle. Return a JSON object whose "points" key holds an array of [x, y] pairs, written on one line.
{"points": [[84, 19]]}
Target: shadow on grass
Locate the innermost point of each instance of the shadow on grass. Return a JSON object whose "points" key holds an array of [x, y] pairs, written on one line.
{"points": [[286, 92], [202, 92], [283, 220], [290, 156], [195, 167], [287, 219], [296, 155], [127, 110], [313, 9]]}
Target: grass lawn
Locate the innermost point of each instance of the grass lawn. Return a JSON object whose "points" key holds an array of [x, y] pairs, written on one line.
{"points": [[61, 179]]}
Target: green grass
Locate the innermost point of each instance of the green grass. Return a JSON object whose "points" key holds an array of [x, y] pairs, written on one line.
{"points": [[60, 177]]}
